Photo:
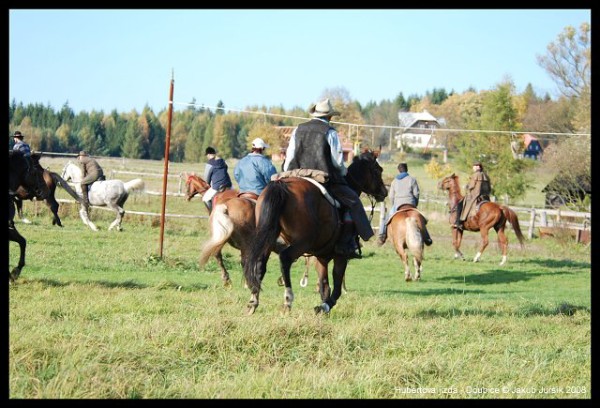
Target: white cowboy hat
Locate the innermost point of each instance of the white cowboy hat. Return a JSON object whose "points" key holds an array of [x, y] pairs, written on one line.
{"points": [[258, 143], [322, 109]]}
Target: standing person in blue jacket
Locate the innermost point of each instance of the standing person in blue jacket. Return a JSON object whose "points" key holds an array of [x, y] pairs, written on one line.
{"points": [[253, 172], [215, 174]]}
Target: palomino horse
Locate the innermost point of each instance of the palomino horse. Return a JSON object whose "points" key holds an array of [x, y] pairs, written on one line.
{"points": [[17, 176], [405, 231], [51, 180], [106, 193], [489, 215], [297, 210]]}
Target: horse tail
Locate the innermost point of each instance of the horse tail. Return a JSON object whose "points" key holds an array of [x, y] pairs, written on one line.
{"points": [[414, 239], [134, 185], [511, 216], [58, 180], [221, 228], [267, 231]]}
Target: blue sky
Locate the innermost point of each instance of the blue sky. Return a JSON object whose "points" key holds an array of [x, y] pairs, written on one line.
{"points": [[124, 59]]}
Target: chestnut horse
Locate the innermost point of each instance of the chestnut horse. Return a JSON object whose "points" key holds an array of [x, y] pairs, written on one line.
{"points": [[488, 215], [404, 228], [231, 221], [297, 210], [221, 225]]}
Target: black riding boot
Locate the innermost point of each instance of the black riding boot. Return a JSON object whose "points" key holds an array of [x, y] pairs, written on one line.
{"points": [[426, 238], [85, 201], [458, 223], [347, 244]]}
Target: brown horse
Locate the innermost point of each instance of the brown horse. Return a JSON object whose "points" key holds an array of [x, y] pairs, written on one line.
{"points": [[51, 181], [404, 228], [488, 215], [231, 221], [297, 210]]}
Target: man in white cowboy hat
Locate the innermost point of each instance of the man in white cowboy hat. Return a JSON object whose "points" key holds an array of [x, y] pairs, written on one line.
{"points": [[253, 172], [316, 145]]}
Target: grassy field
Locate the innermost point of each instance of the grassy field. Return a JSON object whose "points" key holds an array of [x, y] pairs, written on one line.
{"points": [[101, 315]]}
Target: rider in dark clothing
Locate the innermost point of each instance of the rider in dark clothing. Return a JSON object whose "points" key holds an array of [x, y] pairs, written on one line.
{"points": [[316, 145]]}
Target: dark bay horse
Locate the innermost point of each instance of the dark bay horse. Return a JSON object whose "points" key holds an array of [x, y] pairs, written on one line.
{"points": [[17, 176], [297, 210], [404, 229], [51, 181], [489, 215]]}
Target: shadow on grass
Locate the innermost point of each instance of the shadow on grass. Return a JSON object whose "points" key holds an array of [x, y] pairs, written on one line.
{"points": [[555, 263], [120, 285], [432, 292], [497, 276], [563, 309]]}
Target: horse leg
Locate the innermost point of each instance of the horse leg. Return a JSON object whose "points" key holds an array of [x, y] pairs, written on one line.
{"points": [[15, 236], [286, 262], [418, 268], [484, 243], [456, 241], [86, 220], [339, 271], [503, 240], [53, 206], [224, 274], [324, 289], [405, 262], [117, 222], [304, 280], [19, 204]]}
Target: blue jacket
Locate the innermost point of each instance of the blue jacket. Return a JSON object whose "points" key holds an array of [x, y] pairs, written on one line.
{"points": [[253, 172], [22, 147], [215, 174]]}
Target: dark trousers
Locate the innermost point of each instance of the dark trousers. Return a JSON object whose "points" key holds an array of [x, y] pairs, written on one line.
{"points": [[348, 197]]}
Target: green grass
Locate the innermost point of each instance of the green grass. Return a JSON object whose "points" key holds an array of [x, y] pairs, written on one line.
{"points": [[100, 315]]}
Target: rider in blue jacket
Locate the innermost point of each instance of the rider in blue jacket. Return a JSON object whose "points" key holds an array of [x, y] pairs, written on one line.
{"points": [[253, 172], [215, 174]]}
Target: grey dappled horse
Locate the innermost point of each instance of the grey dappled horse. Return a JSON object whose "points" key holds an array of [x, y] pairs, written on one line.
{"points": [[106, 193]]}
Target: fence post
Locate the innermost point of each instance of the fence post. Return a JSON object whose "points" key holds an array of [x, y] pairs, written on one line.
{"points": [[544, 219], [531, 224]]}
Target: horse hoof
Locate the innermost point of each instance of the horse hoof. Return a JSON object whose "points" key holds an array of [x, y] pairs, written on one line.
{"points": [[286, 309], [251, 310], [26, 221], [280, 281], [303, 282]]}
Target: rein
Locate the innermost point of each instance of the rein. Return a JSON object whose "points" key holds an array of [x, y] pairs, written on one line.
{"points": [[360, 187]]}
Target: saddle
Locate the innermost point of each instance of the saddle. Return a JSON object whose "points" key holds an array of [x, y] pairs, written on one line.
{"points": [[316, 177], [405, 208]]}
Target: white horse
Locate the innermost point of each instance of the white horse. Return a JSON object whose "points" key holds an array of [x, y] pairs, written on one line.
{"points": [[105, 193]]}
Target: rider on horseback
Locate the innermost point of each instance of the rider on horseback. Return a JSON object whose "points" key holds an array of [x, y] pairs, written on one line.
{"points": [[316, 145], [90, 171], [478, 189], [215, 174], [404, 191], [31, 176]]}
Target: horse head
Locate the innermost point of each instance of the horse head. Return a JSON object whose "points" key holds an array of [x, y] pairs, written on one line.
{"points": [[365, 175], [71, 172], [195, 185]]}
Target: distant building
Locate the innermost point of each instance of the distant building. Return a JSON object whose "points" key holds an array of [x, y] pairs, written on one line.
{"points": [[419, 130]]}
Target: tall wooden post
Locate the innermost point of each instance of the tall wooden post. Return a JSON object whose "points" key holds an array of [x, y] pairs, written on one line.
{"points": [[166, 168]]}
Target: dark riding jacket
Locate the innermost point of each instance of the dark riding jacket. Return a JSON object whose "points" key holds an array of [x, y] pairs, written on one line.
{"points": [[313, 151]]}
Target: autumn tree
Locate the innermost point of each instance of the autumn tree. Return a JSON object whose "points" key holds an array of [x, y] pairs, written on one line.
{"points": [[568, 61]]}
